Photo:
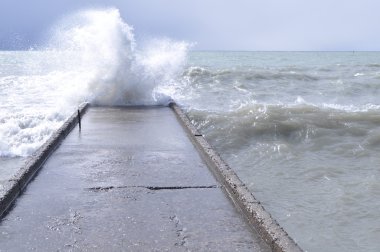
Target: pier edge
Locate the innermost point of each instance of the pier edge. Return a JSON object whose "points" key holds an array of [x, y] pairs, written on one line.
{"points": [[261, 220]]}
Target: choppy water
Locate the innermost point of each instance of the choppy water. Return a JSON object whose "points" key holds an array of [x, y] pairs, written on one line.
{"points": [[302, 129]]}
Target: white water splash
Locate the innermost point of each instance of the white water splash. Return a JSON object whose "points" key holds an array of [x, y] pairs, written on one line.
{"points": [[90, 56], [121, 74]]}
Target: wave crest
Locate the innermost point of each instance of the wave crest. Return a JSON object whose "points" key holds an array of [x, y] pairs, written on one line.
{"points": [[90, 56], [290, 124], [199, 73], [103, 45]]}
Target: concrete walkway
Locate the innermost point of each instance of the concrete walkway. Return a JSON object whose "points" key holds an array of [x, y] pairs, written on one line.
{"points": [[131, 180]]}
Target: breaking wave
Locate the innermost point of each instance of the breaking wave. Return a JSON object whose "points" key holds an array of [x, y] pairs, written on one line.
{"points": [[90, 56], [197, 73], [118, 71], [292, 124]]}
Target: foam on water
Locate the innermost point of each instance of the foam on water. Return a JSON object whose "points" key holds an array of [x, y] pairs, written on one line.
{"points": [[313, 168], [90, 56], [121, 73], [302, 132]]}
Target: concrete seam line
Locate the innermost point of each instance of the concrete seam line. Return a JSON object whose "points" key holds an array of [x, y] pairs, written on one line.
{"points": [[273, 234], [33, 164]]}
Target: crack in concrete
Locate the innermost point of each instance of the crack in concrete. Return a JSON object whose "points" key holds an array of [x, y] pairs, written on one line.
{"points": [[180, 231], [152, 188]]}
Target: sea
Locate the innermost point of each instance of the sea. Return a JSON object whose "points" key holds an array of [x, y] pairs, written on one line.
{"points": [[301, 129]]}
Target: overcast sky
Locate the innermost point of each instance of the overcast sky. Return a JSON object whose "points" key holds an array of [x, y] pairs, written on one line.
{"points": [[213, 24]]}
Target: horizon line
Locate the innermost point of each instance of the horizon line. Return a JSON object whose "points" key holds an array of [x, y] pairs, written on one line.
{"points": [[223, 50]]}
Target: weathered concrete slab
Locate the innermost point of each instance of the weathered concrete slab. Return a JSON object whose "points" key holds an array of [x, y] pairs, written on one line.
{"points": [[129, 181]]}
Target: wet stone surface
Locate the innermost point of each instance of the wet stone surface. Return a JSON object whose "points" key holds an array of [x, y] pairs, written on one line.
{"points": [[130, 180]]}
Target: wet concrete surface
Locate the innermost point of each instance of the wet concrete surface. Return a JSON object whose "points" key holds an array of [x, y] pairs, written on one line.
{"points": [[8, 168], [131, 180]]}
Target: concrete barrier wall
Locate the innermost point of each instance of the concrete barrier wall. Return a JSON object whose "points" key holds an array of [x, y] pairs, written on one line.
{"points": [[238, 192], [17, 184]]}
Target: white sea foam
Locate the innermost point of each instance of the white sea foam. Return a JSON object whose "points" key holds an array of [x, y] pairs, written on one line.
{"points": [[121, 72], [90, 56]]}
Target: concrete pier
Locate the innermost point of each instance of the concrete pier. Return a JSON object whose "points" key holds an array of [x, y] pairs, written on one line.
{"points": [[130, 180]]}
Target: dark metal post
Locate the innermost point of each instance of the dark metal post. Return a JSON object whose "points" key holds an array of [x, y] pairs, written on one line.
{"points": [[79, 121]]}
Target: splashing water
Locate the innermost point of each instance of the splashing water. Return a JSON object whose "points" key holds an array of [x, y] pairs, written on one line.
{"points": [[120, 74], [90, 56]]}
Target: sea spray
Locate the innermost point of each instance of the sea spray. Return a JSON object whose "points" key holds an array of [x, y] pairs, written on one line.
{"points": [[89, 56], [121, 72]]}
